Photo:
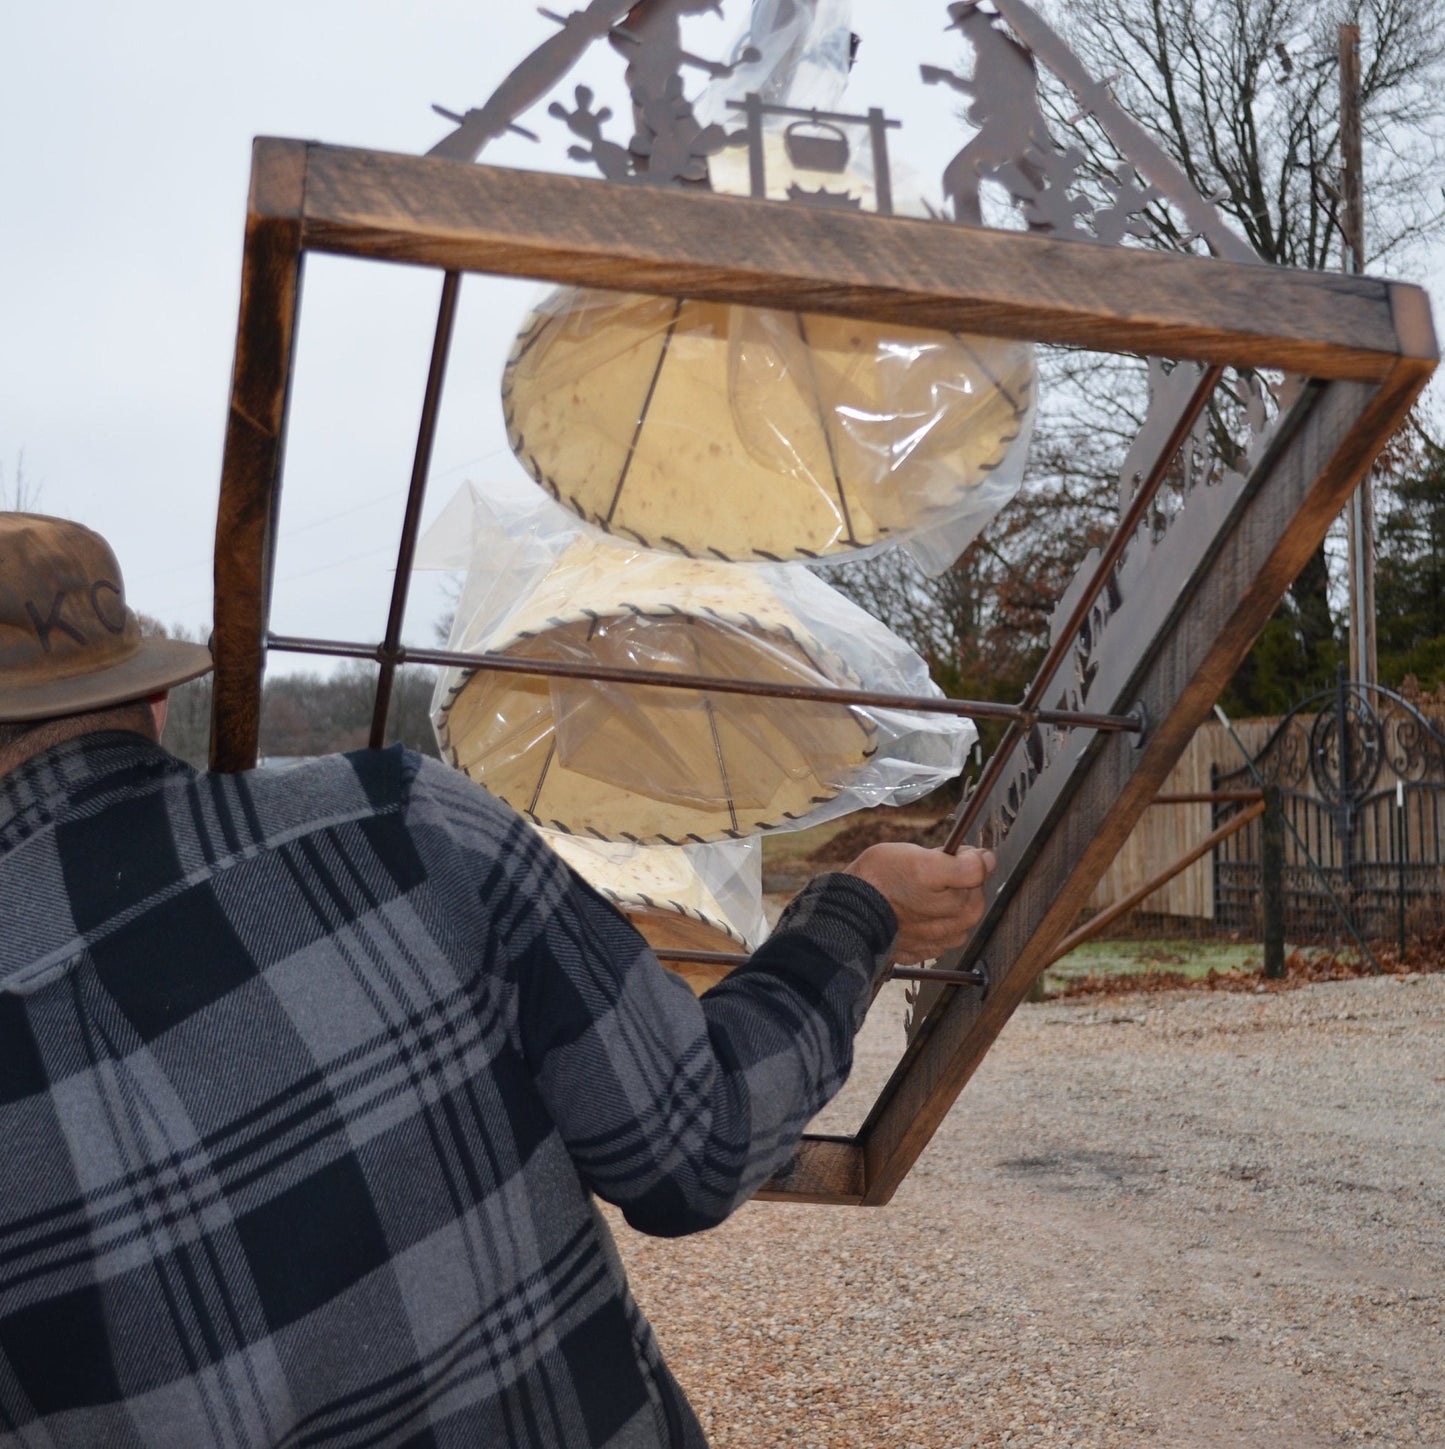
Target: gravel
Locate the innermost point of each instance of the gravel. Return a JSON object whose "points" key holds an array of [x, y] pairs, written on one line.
{"points": [[1185, 1219]]}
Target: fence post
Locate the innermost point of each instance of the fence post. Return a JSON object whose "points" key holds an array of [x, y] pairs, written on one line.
{"points": [[1401, 852], [1346, 803], [1271, 869]]}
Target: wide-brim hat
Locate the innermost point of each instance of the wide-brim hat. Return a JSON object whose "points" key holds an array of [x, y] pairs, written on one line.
{"points": [[68, 643]]}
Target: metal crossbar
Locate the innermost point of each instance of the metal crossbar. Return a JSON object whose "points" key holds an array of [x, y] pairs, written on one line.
{"points": [[717, 684]]}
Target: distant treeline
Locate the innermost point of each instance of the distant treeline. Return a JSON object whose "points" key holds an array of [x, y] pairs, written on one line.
{"points": [[311, 714]]}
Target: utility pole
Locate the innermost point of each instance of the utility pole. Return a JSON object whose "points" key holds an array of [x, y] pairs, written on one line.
{"points": [[1361, 512]]}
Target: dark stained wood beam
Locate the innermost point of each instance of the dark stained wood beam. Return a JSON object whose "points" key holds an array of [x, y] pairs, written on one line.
{"points": [[823, 1170], [1199, 606], [925, 273], [255, 444]]}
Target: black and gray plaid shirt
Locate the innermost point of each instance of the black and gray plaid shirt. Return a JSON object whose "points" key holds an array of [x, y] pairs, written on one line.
{"points": [[307, 1079]]}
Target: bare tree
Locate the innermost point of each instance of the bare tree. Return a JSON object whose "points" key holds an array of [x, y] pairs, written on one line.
{"points": [[314, 714], [1244, 94], [22, 495], [188, 714], [302, 714]]}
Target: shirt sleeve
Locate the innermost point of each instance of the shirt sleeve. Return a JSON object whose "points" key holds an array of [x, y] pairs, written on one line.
{"points": [[677, 1108]]}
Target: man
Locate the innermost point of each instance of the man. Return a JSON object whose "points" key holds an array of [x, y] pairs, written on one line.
{"points": [[308, 1078]]}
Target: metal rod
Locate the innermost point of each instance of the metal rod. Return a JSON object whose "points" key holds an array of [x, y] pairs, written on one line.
{"points": [[1271, 883], [1345, 811], [750, 103], [1066, 636], [1352, 185], [387, 655], [896, 973], [1402, 848], [616, 674], [1208, 797], [940, 975], [1361, 511], [882, 175]]}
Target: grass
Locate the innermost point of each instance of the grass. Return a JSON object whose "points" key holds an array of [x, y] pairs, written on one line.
{"points": [[1159, 962], [1194, 959]]}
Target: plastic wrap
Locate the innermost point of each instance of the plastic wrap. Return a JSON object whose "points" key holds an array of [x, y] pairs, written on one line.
{"points": [[747, 433], [661, 766], [681, 898], [802, 51]]}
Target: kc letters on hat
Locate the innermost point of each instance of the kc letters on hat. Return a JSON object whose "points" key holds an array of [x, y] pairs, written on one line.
{"points": [[68, 643]]}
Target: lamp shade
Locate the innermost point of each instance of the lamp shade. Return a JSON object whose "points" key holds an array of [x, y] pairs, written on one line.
{"points": [[703, 899], [633, 762], [745, 433]]}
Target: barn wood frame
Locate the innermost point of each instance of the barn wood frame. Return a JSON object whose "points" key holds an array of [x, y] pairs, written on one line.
{"points": [[1154, 633]]}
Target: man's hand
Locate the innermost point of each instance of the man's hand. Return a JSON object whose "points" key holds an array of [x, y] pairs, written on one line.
{"points": [[938, 898]]}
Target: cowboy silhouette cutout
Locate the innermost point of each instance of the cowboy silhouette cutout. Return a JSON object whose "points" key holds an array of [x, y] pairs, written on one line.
{"points": [[1005, 109], [668, 142]]}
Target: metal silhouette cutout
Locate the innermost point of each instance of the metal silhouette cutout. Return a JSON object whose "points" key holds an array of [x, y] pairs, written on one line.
{"points": [[1013, 145]]}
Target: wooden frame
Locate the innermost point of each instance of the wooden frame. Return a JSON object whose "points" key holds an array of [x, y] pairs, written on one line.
{"points": [[1158, 630]]}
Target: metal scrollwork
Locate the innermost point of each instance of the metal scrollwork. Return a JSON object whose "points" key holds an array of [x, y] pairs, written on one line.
{"points": [[1336, 744], [1413, 749], [1288, 762], [1361, 771], [1347, 747]]}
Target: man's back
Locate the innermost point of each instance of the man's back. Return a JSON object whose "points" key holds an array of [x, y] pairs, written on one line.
{"points": [[313, 1073]]}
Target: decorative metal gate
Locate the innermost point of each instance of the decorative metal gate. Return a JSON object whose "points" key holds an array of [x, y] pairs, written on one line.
{"points": [[1361, 775]]}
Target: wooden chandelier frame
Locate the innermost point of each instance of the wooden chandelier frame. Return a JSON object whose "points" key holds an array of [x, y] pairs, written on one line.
{"points": [[1161, 627]]}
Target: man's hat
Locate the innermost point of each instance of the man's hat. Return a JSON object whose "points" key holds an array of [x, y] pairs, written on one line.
{"points": [[68, 644]]}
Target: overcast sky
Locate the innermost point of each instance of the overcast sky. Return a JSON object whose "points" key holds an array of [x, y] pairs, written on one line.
{"points": [[126, 151]]}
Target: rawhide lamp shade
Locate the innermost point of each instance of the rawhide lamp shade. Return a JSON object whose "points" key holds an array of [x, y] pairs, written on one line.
{"points": [[662, 893], [744, 433], [633, 762]]}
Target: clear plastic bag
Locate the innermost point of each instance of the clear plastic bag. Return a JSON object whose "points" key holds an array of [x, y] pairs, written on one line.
{"points": [[694, 898], [670, 766], [750, 434], [802, 53]]}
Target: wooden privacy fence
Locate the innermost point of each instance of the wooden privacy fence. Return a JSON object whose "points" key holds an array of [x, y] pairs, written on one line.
{"points": [[1174, 826]]}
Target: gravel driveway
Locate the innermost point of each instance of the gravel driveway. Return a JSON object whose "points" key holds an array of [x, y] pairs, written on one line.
{"points": [[1180, 1219]]}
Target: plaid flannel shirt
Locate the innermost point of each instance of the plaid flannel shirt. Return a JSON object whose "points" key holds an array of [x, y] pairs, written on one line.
{"points": [[307, 1080]]}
